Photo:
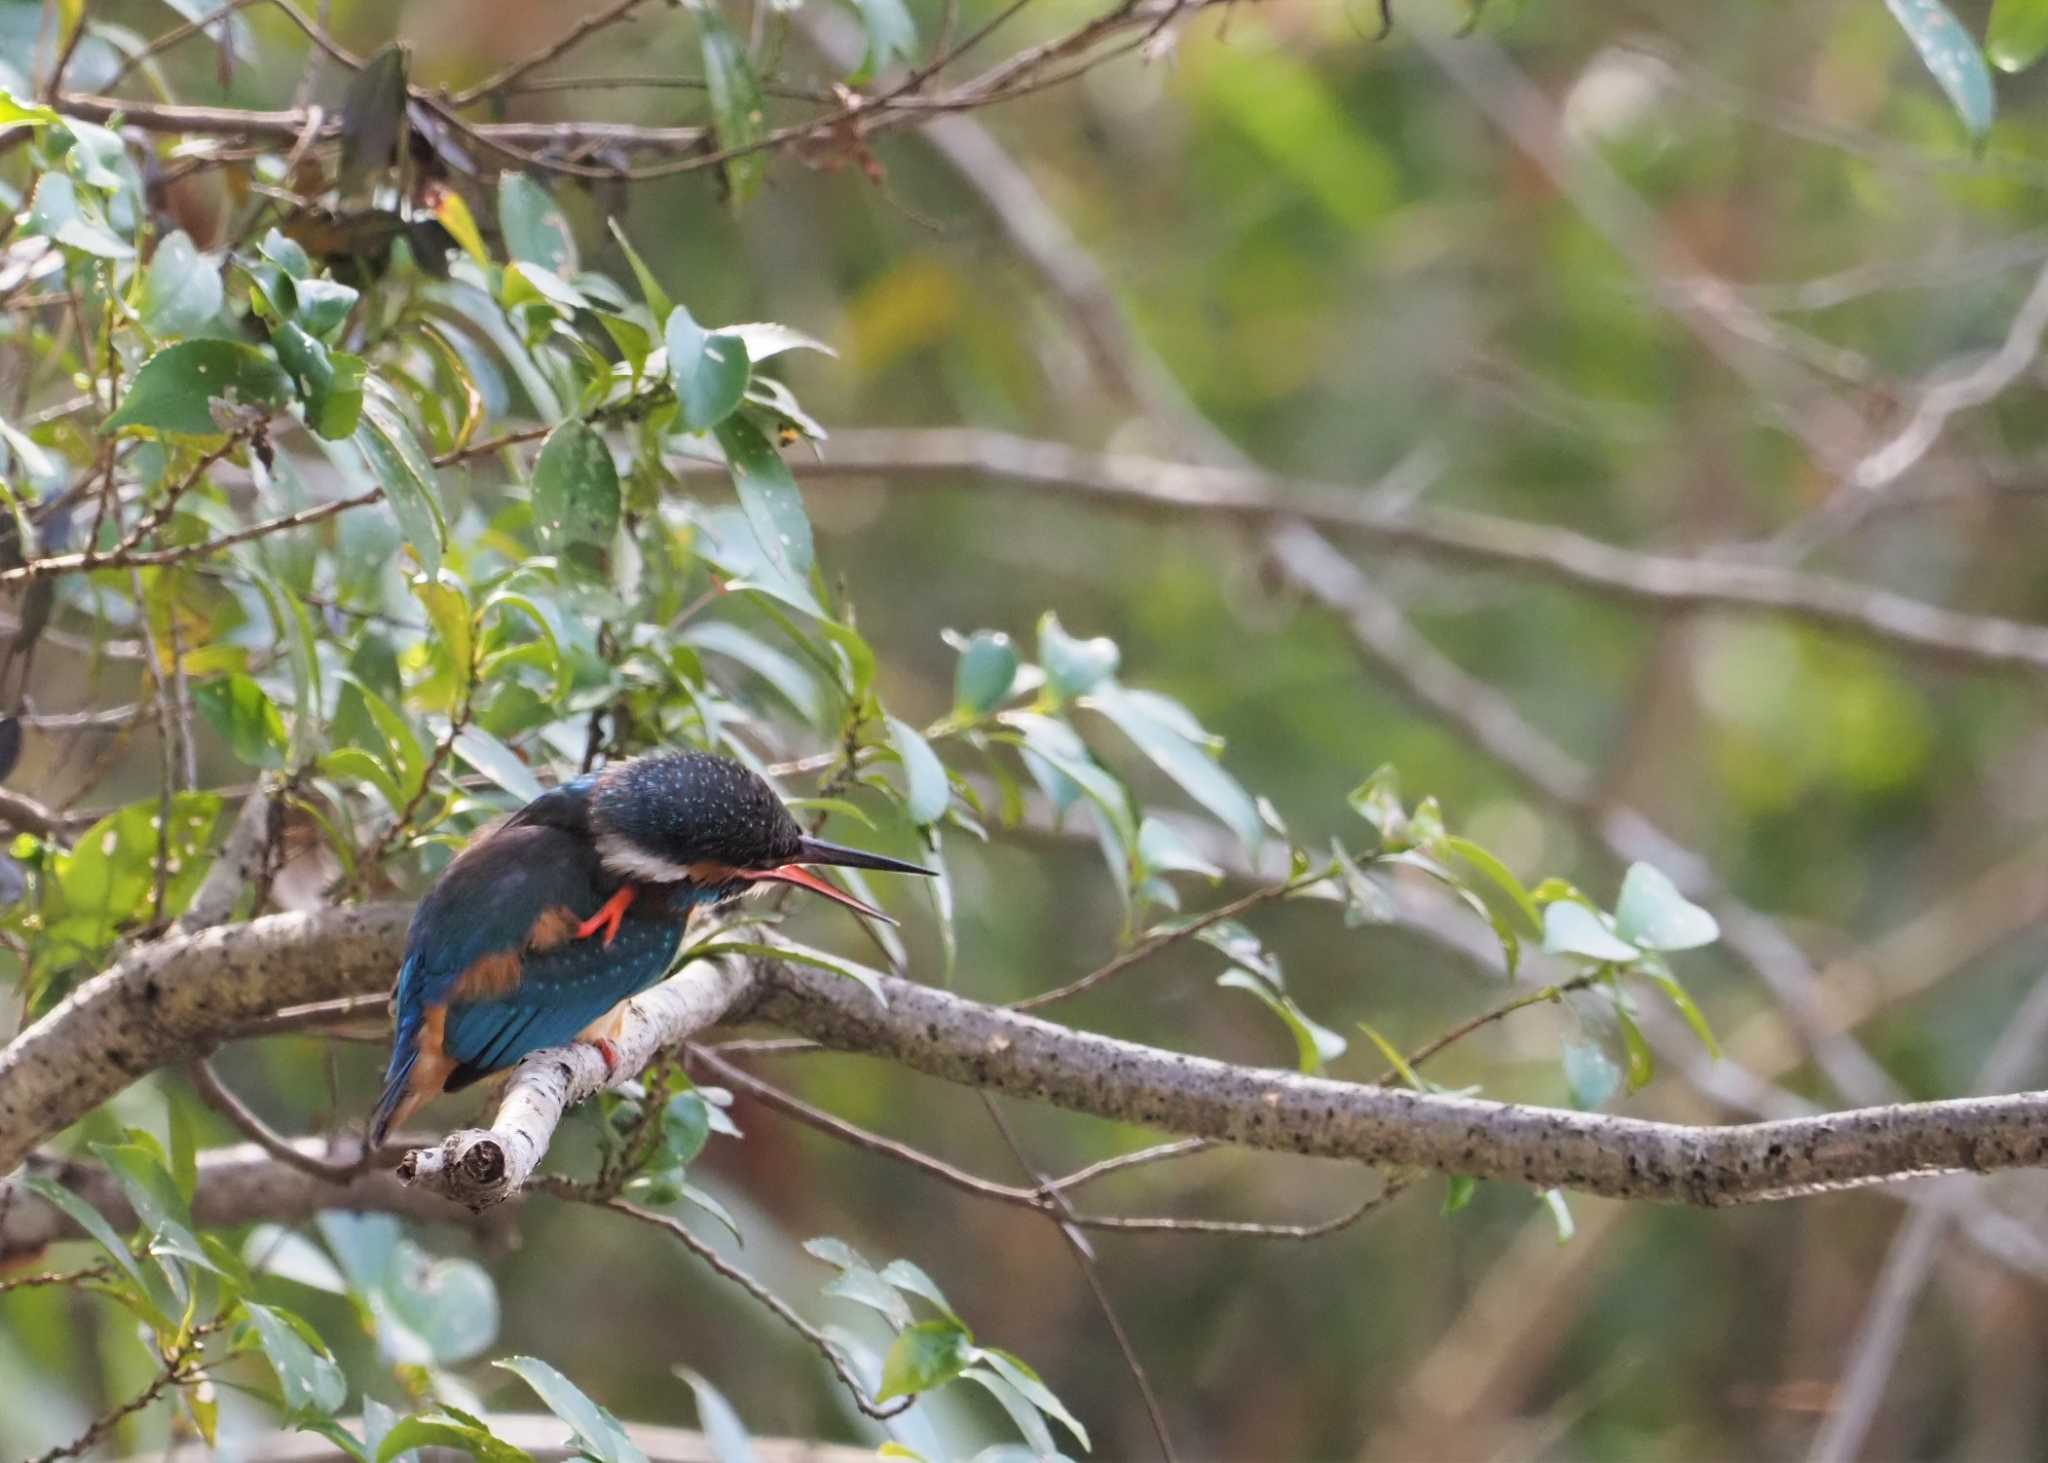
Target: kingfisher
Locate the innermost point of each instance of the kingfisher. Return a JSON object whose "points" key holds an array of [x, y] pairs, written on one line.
{"points": [[548, 921]]}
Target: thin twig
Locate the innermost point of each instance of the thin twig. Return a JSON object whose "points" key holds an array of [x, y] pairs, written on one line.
{"points": [[775, 1304], [222, 1099], [1085, 1259]]}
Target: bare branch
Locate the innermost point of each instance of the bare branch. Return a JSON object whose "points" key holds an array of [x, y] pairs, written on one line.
{"points": [[1884, 618]]}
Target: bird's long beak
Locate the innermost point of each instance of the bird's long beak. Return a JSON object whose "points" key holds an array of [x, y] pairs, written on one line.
{"points": [[818, 851]]}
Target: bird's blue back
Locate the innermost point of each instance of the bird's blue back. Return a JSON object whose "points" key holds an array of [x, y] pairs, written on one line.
{"points": [[493, 944]]}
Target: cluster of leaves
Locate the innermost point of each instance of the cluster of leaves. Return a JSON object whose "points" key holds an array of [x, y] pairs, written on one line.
{"points": [[934, 1352]]}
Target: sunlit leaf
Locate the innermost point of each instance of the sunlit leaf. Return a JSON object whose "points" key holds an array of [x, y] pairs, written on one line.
{"points": [[498, 762], [925, 1356]]}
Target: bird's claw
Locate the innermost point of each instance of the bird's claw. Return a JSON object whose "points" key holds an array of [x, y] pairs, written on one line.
{"points": [[610, 1054], [607, 917]]}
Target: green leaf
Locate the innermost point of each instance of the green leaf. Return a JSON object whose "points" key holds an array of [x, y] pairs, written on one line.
{"points": [[597, 1432], [709, 370], [1148, 720], [1393, 1056], [86, 1218], [56, 212], [926, 793], [738, 111], [410, 1433], [1314, 1044], [1458, 1191], [182, 289], [2018, 33], [1073, 667], [323, 305], [372, 118], [1687, 1007], [576, 497], [658, 306], [1642, 1066], [176, 388], [1952, 56], [331, 382], [1502, 876], [925, 1356], [536, 232], [151, 1190], [907, 1275], [1162, 850], [1653, 914], [306, 1374], [1570, 928], [768, 496], [985, 673], [396, 461], [498, 762], [1019, 1374], [1590, 1074], [1378, 801], [891, 33], [721, 1426], [246, 718]]}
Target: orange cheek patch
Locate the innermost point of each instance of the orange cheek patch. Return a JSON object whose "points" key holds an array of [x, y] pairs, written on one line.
{"points": [[491, 977], [556, 926]]}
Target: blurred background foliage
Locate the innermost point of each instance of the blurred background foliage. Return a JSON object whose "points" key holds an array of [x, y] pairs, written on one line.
{"points": [[1342, 262]]}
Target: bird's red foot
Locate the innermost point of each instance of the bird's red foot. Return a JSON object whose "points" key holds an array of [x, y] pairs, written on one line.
{"points": [[610, 1054], [607, 918]]}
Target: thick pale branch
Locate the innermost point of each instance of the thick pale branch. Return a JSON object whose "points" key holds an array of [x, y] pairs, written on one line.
{"points": [[162, 1003], [1625, 1158], [172, 999]]}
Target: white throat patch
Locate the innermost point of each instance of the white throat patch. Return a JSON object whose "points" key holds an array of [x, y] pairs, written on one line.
{"points": [[623, 858]]}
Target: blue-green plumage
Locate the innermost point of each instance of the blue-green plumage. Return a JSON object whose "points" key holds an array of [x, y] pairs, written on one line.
{"points": [[579, 901]]}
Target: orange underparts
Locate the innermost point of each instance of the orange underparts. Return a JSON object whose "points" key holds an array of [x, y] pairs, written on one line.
{"points": [[607, 918]]}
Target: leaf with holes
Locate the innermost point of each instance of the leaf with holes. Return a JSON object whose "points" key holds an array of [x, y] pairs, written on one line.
{"points": [[176, 388], [576, 497]]}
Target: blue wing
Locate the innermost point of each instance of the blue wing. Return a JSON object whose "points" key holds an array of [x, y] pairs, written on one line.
{"points": [[561, 991], [468, 938]]}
